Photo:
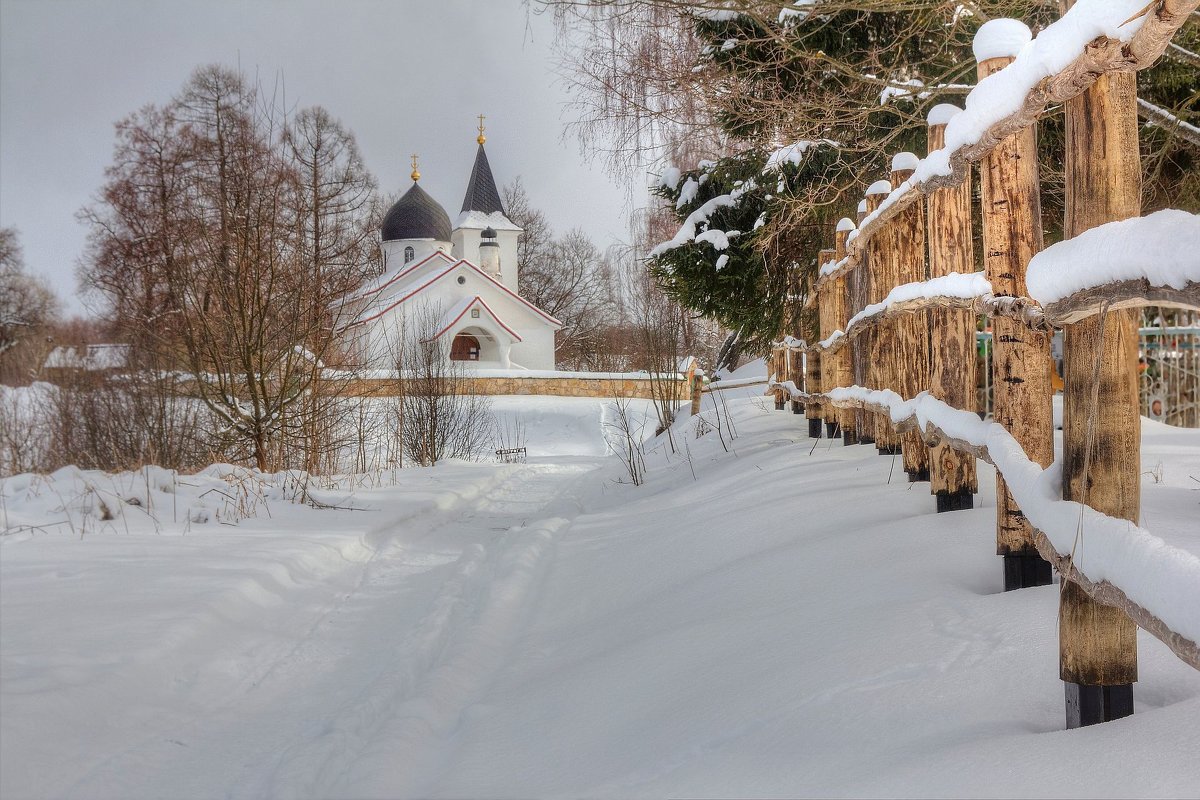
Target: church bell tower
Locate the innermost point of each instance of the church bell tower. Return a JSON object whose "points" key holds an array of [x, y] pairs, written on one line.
{"points": [[483, 230]]}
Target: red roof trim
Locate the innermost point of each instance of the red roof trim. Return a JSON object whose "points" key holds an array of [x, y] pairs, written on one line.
{"points": [[467, 308], [443, 274], [406, 270], [511, 292]]}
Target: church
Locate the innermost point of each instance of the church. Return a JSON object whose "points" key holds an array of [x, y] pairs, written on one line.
{"points": [[459, 282]]}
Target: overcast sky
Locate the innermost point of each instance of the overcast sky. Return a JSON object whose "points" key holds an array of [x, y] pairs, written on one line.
{"points": [[405, 75]]}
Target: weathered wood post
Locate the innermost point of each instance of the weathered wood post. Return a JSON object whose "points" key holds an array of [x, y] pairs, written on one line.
{"points": [[812, 385], [796, 367], [825, 310], [843, 359], [779, 367], [882, 370], [1012, 234], [1101, 425], [952, 474], [860, 290], [912, 330]]}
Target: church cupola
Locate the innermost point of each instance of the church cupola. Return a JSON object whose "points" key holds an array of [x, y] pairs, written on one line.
{"points": [[415, 226], [483, 211], [489, 253]]}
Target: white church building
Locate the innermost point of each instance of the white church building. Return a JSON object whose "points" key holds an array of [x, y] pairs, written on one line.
{"points": [[464, 276]]}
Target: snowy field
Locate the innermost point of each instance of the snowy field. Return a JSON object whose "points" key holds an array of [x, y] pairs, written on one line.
{"points": [[783, 619]]}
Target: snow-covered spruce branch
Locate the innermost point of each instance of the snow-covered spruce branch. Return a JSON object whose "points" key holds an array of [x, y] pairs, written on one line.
{"points": [[1167, 121], [1183, 54], [1114, 560], [1094, 38]]}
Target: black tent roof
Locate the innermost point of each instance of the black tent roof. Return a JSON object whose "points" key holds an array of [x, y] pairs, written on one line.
{"points": [[481, 189]]}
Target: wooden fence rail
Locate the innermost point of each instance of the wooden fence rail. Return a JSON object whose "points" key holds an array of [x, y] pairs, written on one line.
{"points": [[896, 299]]}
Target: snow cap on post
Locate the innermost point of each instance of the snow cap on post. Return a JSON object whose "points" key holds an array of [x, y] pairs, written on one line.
{"points": [[846, 224], [1000, 38], [904, 162], [862, 206], [879, 187], [942, 113]]}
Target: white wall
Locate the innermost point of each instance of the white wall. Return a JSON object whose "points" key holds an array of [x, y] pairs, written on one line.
{"points": [[393, 251], [535, 351], [466, 245]]}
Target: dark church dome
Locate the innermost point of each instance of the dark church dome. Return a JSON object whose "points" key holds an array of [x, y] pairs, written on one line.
{"points": [[416, 215]]}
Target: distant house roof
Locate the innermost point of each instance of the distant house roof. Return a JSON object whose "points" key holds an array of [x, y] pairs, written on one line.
{"points": [[481, 188], [416, 215], [88, 357]]}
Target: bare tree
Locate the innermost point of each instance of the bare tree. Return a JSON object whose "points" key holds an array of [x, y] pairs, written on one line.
{"points": [[441, 413], [565, 276], [27, 305], [223, 240], [333, 208]]}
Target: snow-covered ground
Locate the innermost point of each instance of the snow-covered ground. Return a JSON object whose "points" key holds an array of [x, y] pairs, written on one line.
{"points": [[783, 619]]}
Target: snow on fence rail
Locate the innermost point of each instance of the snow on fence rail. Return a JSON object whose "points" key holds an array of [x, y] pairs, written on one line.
{"points": [[897, 313], [955, 291], [1126, 566], [1143, 261]]}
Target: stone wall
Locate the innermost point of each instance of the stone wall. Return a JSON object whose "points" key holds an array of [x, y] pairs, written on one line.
{"points": [[559, 387]]}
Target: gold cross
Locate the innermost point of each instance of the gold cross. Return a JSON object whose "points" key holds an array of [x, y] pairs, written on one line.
{"points": [[416, 176], [481, 138]]}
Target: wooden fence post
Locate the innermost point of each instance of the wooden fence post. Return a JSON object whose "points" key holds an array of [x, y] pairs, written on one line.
{"points": [[796, 370], [881, 368], [952, 474], [860, 290], [843, 359], [1101, 425], [812, 385], [825, 312], [779, 368], [912, 330], [1012, 234]]}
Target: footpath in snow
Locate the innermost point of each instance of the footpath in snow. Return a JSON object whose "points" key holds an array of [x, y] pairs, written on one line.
{"points": [[782, 619]]}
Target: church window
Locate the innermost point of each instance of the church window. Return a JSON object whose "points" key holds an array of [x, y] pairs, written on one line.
{"points": [[409, 254]]}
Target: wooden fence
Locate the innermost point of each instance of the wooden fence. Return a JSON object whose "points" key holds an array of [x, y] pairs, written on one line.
{"points": [[898, 299]]}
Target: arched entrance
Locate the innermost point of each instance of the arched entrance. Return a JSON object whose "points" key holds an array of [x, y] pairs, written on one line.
{"points": [[478, 344], [465, 348]]}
